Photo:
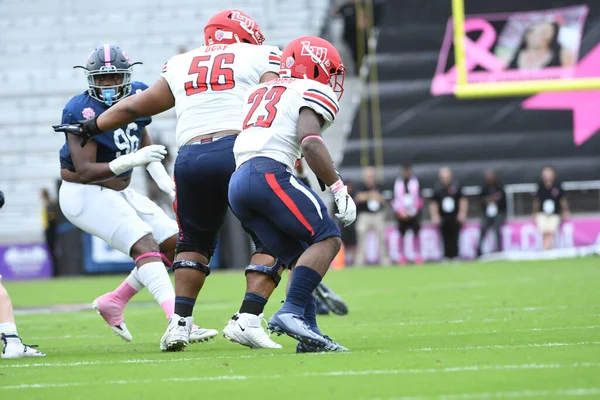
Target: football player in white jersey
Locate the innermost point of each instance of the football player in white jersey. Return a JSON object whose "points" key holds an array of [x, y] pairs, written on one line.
{"points": [[284, 120], [207, 87]]}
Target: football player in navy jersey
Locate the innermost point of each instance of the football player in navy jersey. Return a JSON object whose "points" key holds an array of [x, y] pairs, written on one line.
{"points": [[95, 197]]}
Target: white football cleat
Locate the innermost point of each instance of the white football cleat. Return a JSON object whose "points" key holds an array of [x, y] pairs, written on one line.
{"points": [[177, 336], [198, 334], [112, 312], [246, 329], [13, 347]]}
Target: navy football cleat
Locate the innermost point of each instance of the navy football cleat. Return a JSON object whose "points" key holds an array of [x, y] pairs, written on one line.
{"points": [[295, 326], [332, 300], [305, 348], [322, 308]]}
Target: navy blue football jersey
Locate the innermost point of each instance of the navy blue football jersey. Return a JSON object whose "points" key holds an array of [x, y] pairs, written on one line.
{"points": [[111, 144]]}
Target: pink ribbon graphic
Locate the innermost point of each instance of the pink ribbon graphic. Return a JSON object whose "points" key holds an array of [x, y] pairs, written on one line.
{"points": [[478, 53]]}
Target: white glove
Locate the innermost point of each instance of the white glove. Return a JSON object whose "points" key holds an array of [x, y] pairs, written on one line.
{"points": [[143, 156], [161, 177], [343, 201]]}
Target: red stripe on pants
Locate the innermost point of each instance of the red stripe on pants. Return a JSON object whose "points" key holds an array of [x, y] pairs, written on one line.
{"points": [[289, 203]]}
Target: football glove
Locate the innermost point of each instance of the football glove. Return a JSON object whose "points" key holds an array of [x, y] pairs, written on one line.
{"points": [[144, 156], [345, 205], [85, 129]]}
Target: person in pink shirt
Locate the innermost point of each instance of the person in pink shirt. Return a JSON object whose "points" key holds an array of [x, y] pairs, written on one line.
{"points": [[407, 204]]}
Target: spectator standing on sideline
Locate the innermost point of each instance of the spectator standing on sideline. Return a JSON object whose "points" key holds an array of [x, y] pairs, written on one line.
{"points": [[493, 203], [49, 223], [407, 204], [548, 206], [349, 233], [448, 210], [370, 216]]}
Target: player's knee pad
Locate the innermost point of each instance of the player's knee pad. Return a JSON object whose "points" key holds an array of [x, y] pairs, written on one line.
{"points": [[272, 271], [193, 265]]}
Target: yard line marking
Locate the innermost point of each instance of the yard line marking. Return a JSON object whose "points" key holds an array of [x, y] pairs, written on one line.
{"points": [[165, 361], [140, 306], [128, 382], [502, 395], [557, 328], [505, 346], [458, 369]]}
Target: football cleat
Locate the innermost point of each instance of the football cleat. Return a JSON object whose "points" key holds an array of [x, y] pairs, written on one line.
{"points": [[177, 336], [112, 311], [306, 348], [13, 347], [332, 300], [246, 329], [198, 334], [322, 308], [295, 326]]}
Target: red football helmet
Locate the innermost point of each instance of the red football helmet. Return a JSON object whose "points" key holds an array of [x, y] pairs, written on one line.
{"points": [[310, 57], [232, 26]]}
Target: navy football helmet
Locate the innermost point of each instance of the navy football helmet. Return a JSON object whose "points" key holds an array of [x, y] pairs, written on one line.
{"points": [[108, 59]]}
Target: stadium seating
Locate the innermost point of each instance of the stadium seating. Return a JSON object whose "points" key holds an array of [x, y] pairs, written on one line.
{"points": [[42, 40]]}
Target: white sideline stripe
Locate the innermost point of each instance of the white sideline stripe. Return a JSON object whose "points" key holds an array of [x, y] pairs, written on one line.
{"points": [[558, 328], [139, 309], [506, 346], [307, 193], [334, 373], [470, 368], [502, 395]]}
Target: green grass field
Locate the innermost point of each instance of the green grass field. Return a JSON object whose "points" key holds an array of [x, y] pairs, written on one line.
{"points": [[465, 331]]}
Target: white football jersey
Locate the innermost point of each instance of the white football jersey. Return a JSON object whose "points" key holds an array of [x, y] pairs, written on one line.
{"points": [[271, 112], [209, 84]]}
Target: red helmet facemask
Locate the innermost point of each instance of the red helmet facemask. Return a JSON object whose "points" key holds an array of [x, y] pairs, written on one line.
{"points": [[232, 26]]}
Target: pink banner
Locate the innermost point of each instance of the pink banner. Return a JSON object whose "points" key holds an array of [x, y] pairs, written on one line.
{"points": [[516, 236], [541, 44]]}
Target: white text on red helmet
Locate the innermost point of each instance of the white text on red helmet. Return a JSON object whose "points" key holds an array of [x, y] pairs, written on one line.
{"points": [[318, 54], [242, 19]]}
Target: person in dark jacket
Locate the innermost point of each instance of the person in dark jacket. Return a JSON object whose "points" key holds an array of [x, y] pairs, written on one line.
{"points": [[493, 204]]}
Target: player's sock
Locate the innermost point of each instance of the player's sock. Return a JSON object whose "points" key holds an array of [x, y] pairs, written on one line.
{"points": [[310, 315], [184, 306], [304, 282], [129, 288], [168, 307], [253, 304], [8, 328], [156, 278]]}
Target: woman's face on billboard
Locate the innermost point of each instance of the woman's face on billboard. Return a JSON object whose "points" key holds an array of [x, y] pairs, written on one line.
{"points": [[539, 35]]}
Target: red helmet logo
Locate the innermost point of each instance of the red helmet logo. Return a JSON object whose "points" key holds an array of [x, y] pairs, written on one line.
{"points": [[244, 20], [316, 53]]}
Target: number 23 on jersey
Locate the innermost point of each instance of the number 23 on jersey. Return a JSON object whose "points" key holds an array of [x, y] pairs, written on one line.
{"points": [[267, 99]]}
